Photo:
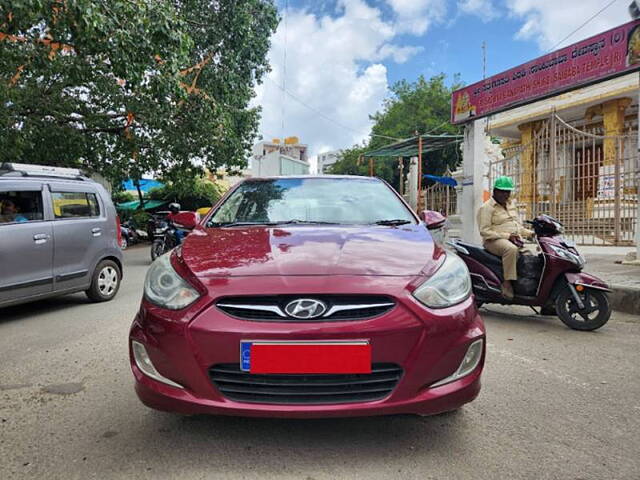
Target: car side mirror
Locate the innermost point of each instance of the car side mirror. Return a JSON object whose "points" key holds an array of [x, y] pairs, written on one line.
{"points": [[433, 219], [187, 220]]}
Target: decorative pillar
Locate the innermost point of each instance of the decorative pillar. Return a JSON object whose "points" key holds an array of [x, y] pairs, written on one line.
{"points": [[613, 118], [526, 182]]}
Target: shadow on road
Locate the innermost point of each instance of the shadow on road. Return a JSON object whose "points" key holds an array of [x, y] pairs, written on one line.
{"points": [[305, 443], [521, 316], [33, 310]]}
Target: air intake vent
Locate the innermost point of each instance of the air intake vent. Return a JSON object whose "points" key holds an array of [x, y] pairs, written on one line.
{"points": [[305, 389]]}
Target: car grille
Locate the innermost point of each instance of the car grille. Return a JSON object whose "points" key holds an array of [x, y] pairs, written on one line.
{"points": [[314, 389], [339, 307]]}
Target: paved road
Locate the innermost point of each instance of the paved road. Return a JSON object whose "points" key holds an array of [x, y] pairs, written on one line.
{"points": [[556, 404]]}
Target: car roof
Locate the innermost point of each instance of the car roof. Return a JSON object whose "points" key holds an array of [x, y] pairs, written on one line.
{"points": [[44, 178]]}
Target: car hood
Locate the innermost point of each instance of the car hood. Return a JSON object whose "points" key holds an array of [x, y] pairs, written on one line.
{"points": [[310, 250]]}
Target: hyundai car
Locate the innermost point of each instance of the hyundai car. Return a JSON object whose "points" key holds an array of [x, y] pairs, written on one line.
{"points": [[305, 297]]}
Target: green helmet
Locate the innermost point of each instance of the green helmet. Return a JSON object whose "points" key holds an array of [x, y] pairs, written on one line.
{"points": [[504, 183]]}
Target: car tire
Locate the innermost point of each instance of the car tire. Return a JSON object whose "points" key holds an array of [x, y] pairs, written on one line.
{"points": [[105, 282]]}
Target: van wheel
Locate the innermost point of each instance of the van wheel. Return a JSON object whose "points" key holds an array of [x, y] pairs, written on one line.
{"points": [[105, 282]]}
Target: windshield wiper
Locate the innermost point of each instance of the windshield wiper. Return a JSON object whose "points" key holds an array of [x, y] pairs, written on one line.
{"points": [[268, 224], [394, 222], [303, 222], [240, 224]]}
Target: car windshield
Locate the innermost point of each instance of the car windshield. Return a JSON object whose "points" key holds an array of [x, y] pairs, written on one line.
{"points": [[312, 200]]}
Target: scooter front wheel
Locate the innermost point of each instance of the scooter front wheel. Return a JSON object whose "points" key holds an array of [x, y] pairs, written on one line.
{"points": [[157, 249], [595, 314]]}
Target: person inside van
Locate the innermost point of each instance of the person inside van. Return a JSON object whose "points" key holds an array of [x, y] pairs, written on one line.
{"points": [[9, 213]]}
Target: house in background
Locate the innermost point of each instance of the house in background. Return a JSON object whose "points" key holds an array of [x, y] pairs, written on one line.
{"points": [[326, 161], [276, 158]]}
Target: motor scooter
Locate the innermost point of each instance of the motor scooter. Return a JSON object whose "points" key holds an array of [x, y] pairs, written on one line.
{"points": [[165, 232], [552, 280]]}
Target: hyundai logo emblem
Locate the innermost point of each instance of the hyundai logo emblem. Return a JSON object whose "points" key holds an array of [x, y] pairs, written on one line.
{"points": [[305, 308]]}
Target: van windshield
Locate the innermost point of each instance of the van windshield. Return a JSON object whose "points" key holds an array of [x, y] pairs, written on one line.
{"points": [[312, 200]]}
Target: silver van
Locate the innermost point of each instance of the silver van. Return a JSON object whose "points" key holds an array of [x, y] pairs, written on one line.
{"points": [[58, 234]]}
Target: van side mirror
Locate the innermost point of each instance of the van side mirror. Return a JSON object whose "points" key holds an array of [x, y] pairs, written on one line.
{"points": [[433, 219]]}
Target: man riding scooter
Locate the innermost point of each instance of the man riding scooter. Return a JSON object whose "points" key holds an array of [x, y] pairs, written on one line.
{"points": [[551, 280], [502, 232], [174, 210]]}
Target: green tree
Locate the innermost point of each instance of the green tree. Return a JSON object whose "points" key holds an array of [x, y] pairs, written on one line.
{"points": [[128, 87], [190, 193], [422, 106]]}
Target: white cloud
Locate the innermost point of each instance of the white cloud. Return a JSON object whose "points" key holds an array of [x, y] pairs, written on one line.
{"points": [[398, 54], [333, 66], [415, 16], [484, 9], [549, 21]]}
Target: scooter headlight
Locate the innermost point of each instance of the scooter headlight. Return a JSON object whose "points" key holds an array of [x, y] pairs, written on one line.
{"points": [[565, 254], [450, 285], [165, 288]]}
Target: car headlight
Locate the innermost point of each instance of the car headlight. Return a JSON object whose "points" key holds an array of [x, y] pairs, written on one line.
{"points": [[165, 288], [450, 285], [567, 255]]}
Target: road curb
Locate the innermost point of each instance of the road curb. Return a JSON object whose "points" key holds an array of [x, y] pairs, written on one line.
{"points": [[625, 299]]}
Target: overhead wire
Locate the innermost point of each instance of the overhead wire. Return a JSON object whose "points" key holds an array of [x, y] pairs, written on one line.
{"points": [[581, 26], [323, 115]]}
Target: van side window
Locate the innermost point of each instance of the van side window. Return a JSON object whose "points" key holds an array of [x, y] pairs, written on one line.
{"points": [[75, 205], [20, 206]]}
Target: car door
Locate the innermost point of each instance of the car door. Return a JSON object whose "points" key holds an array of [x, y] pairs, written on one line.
{"points": [[79, 230], [26, 243]]}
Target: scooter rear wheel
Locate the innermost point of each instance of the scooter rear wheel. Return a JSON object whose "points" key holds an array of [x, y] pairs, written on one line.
{"points": [[595, 314]]}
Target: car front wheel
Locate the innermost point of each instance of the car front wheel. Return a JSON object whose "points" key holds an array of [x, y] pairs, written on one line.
{"points": [[105, 282]]}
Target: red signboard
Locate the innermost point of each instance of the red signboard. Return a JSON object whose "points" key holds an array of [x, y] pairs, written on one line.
{"points": [[602, 56]]}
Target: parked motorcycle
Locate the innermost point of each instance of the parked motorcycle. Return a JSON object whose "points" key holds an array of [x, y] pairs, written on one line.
{"points": [[552, 280], [164, 238], [131, 235], [165, 231]]}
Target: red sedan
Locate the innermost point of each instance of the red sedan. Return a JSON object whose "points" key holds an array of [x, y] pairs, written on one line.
{"points": [[308, 297]]}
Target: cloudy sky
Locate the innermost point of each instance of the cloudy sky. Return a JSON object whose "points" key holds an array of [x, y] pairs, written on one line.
{"points": [[341, 56]]}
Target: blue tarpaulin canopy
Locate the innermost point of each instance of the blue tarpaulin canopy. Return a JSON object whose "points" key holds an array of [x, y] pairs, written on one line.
{"points": [[135, 204], [146, 184], [446, 180]]}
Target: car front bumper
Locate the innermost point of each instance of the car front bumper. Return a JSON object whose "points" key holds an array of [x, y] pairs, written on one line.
{"points": [[427, 344]]}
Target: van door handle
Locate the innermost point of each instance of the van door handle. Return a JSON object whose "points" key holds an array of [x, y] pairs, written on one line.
{"points": [[96, 232], [40, 238]]}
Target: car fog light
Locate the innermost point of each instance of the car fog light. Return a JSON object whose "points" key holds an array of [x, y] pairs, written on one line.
{"points": [[143, 362], [469, 363]]}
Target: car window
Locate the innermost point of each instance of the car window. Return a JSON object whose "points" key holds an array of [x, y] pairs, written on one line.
{"points": [[75, 205], [20, 206], [323, 200]]}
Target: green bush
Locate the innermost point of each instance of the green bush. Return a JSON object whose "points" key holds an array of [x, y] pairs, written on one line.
{"points": [[122, 197], [140, 218]]}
